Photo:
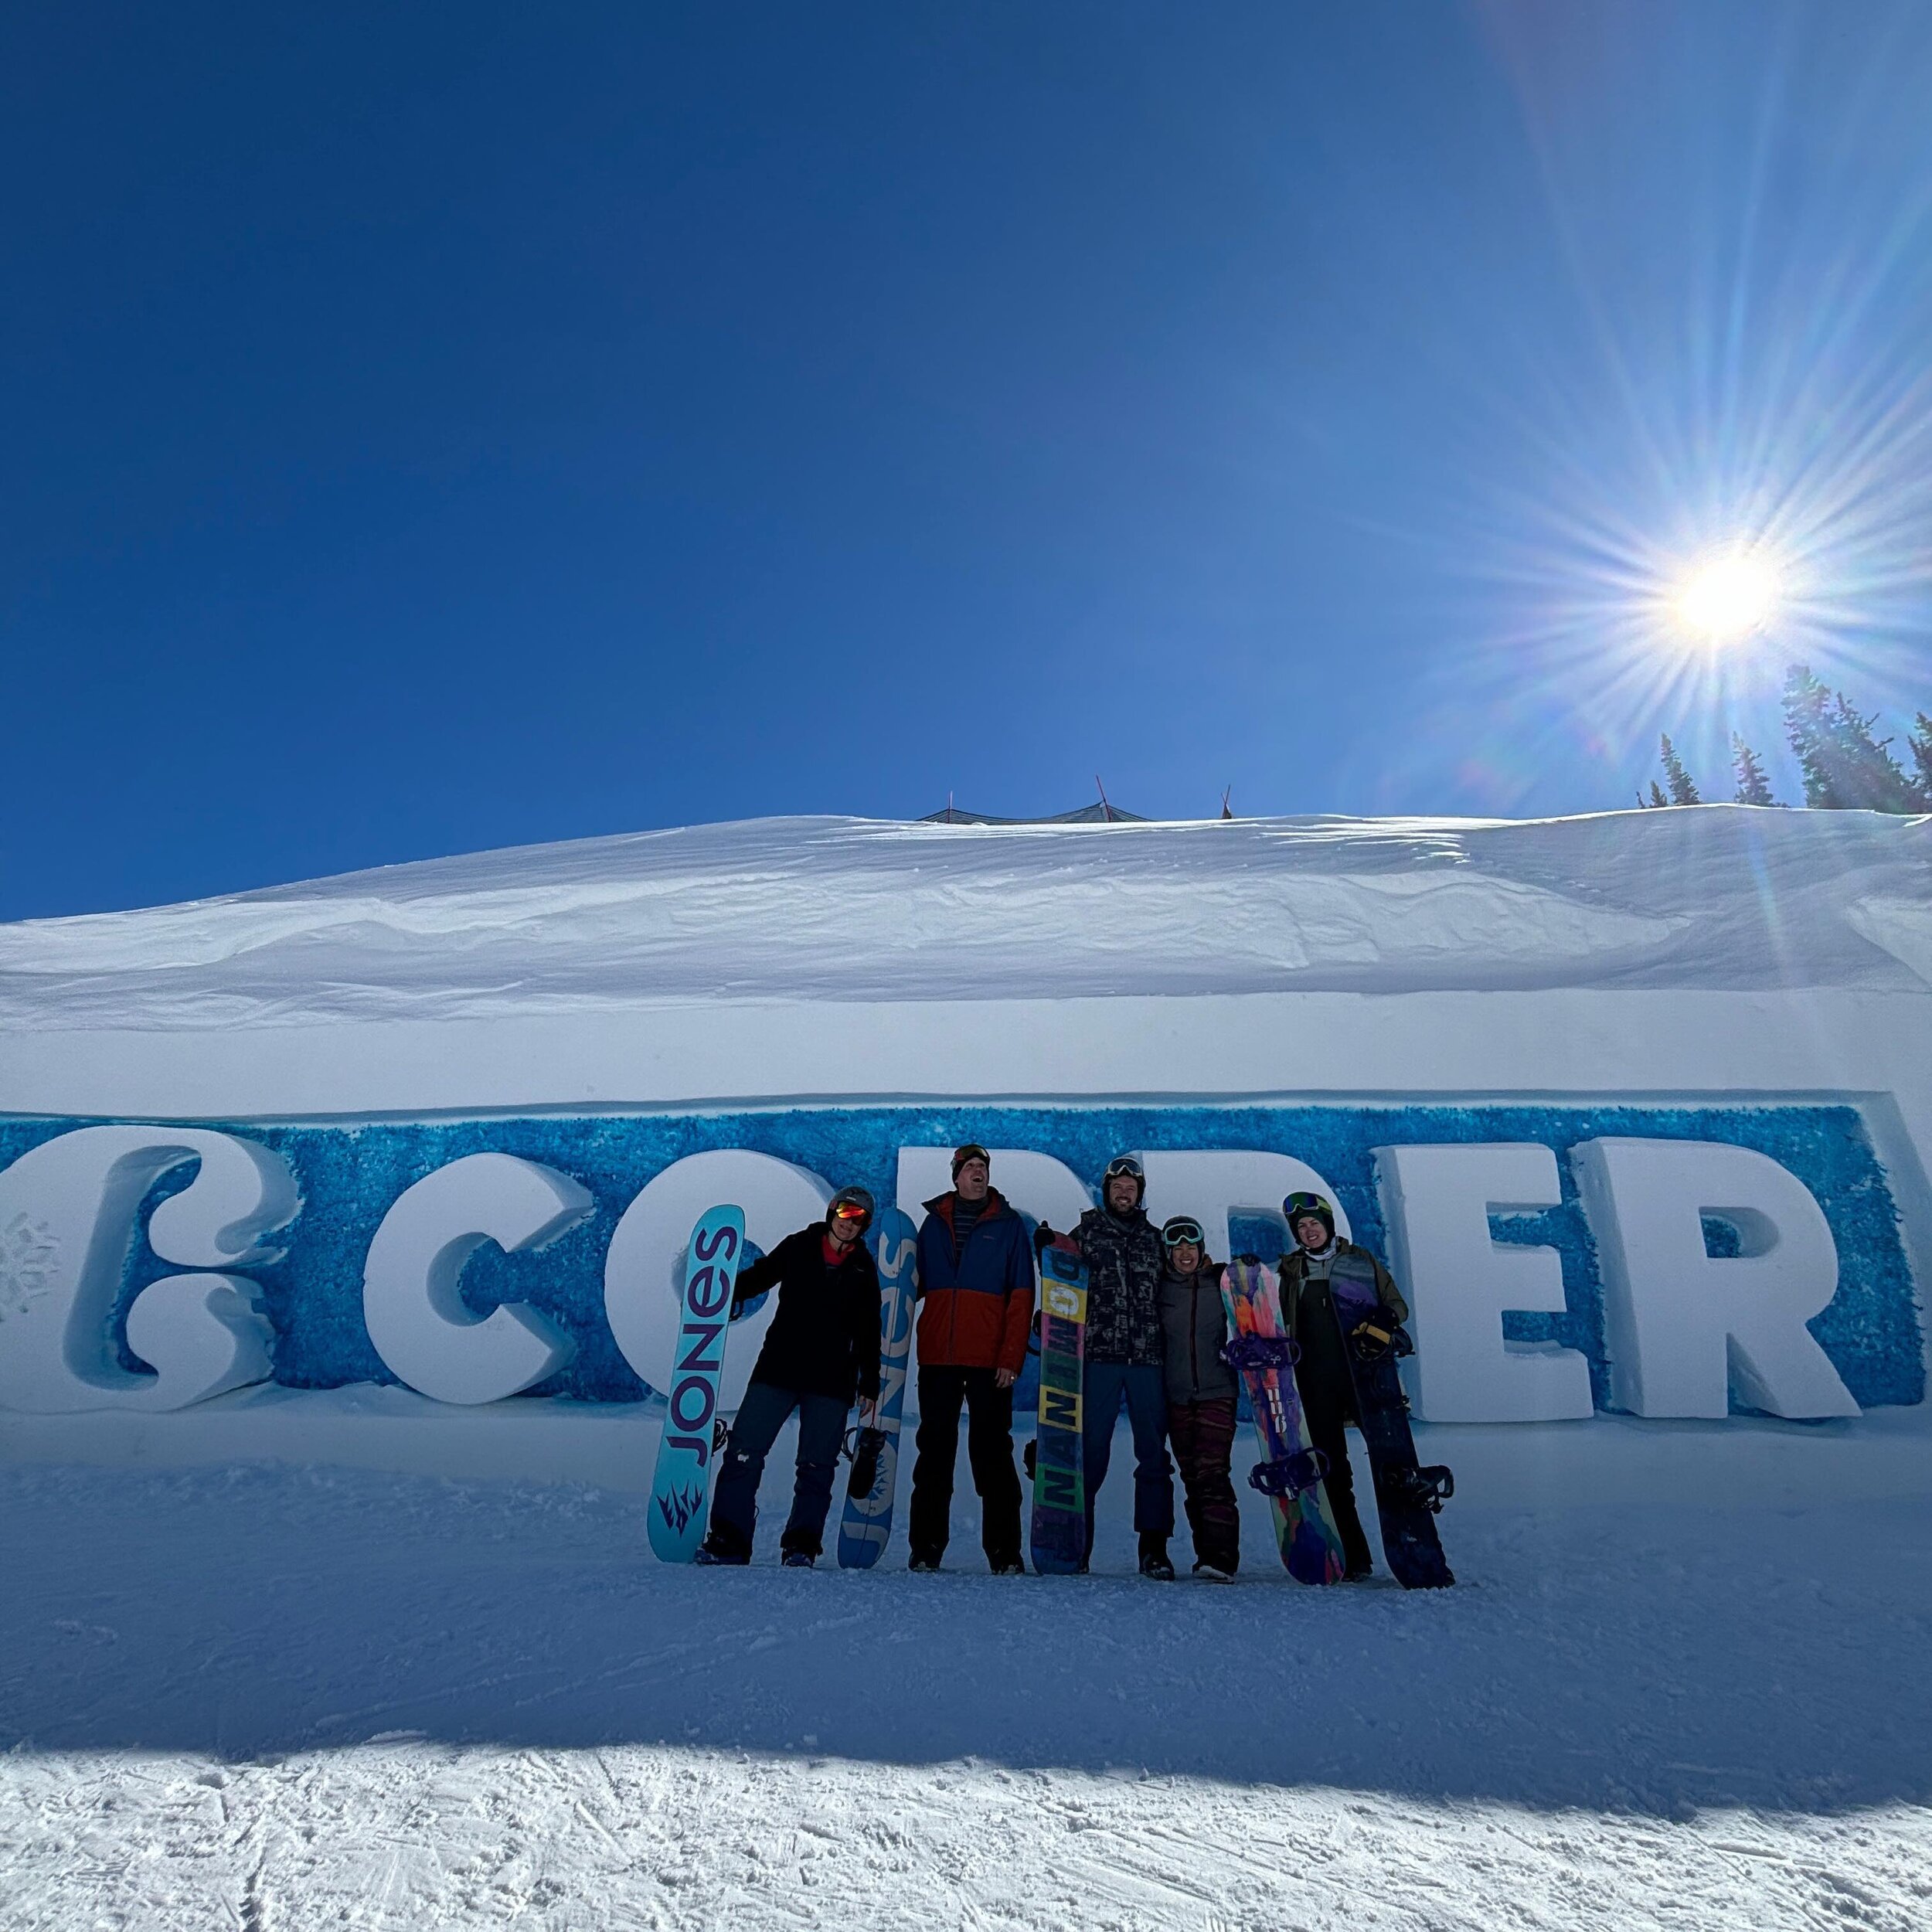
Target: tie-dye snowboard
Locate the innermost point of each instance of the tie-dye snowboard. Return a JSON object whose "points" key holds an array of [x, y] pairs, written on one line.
{"points": [[1290, 1468]]}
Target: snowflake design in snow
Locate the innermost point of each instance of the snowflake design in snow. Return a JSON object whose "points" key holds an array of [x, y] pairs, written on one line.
{"points": [[28, 1254]]}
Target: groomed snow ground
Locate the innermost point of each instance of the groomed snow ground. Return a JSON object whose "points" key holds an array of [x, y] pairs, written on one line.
{"points": [[268, 1697]]}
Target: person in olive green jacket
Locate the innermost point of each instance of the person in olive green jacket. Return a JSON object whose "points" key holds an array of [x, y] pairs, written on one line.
{"points": [[1322, 1374]]}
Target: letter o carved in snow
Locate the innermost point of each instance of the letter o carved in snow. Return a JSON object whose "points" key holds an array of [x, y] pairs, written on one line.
{"points": [[643, 1273]]}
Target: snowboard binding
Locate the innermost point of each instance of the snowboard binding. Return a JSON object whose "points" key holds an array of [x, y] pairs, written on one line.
{"points": [[1291, 1475], [1427, 1488], [865, 1447], [1261, 1352], [1378, 1337]]}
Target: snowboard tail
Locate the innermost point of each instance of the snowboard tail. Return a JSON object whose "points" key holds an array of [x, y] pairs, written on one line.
{"points": [[864, 1527], [1291, 1471], [1408, 1496], [680, 1510], [1058, 1540]]}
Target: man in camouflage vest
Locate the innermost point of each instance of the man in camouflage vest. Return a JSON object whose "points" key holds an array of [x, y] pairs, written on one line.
{"points": [[1126, 1355]]}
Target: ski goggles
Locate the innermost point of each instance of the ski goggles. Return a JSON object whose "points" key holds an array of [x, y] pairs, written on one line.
{"points": [[972, 1150], [1182, 1231], [852, 1207], [1297, 1206], [1124, 1165]]}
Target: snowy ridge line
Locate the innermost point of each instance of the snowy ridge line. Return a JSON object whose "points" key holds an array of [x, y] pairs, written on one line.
{"points": [[833, 910]]}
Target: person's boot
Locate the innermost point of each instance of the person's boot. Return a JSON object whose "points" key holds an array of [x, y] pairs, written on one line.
{"points": [[798, 1559], [1154, 1558]]}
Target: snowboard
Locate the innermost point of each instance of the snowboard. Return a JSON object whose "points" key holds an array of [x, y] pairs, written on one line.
{"points": [[680, 1485], [1291, 1469], [1058, 1541], [1408, 1496], [867, 1522]]}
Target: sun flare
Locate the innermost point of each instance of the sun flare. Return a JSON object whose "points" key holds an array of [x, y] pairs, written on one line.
{"points": [[1728, 597]]}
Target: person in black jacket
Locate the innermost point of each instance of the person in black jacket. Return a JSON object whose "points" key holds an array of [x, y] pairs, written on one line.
{"points": [[821, 1350]]}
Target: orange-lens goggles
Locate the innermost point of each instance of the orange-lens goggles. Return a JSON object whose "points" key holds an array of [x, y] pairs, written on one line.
{"points": [[851, 1211]]}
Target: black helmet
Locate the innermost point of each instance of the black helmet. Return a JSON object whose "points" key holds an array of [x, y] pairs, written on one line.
{"points": [[1129, 1164], [1298, 1207], [850, 1204]]}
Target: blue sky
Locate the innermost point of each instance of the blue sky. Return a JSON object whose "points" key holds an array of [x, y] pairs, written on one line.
{"points": [[425, 428]]}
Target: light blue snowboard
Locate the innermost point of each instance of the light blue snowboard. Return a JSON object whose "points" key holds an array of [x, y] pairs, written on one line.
{"points": [[681, 1487], [867, 1523]]}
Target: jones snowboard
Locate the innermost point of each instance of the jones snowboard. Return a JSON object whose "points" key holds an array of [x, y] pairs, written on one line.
{"points": [[681, 1487], [867, 1522], [1407, 1497], [1291, 1469], [1058, 1542]]}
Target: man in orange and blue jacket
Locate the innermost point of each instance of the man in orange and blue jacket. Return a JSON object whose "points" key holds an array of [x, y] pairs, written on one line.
{"points": [[976, 1292]]}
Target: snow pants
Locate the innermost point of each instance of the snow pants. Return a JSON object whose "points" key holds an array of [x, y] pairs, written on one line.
{"points": [[989, 1448], [1328, 1411], [1203, 1434], [1104, 1387], [763, 1412]]}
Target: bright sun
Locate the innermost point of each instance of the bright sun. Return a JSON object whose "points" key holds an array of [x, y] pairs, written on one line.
{"points": [[1728, 597]]}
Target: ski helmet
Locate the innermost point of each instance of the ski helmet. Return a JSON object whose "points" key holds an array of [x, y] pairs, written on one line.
{"points": [[1178, 1230], [1299, 1207], [1128, 1165], [971, 1150], [850, 1205]]}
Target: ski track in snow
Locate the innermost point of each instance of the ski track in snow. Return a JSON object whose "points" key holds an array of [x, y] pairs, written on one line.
{"points": [[267, 1699]]}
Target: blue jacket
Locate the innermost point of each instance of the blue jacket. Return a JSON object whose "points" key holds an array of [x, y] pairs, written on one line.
{"points": [[977, 1312]]}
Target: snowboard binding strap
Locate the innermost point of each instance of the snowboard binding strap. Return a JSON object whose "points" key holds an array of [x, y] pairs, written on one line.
{"points": [[1379, 1337], [1291, 1475], [1426, 1488], [1249, 1352], [865, 1447]]}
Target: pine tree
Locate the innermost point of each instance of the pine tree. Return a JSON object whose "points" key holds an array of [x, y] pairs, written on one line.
{"points": [[1845, 766], [1656, 794], [1753, 788], [1921, 742], [1683, 792]]}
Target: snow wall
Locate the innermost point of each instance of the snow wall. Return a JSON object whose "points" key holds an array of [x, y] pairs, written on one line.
{"points": [[448, 1127]]}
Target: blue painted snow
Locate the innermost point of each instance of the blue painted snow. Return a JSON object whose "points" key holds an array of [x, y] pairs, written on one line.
{"points": [[350, 1174]]}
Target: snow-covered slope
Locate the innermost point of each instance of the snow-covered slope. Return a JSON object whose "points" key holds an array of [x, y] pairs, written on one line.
{"points": [[1718, 898], [267, 1698]]}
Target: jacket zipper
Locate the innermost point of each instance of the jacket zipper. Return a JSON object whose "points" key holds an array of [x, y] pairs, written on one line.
{"points": [[1194, 1337]]}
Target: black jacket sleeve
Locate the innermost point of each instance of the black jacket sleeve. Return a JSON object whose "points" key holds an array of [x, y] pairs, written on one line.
{"points": [[767, 1271]]}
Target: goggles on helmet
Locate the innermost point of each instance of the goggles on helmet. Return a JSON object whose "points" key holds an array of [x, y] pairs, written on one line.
{"points": [[1183, 1231], [852, 1207], [1125, 1163], [972, 1150], [1297, 1206]]}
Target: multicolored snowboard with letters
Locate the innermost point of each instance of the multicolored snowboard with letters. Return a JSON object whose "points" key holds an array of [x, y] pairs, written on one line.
{"points": [[1291, 1471], [866, 1524], [1058, 1542], [681, 1487], [1408, 1496]]}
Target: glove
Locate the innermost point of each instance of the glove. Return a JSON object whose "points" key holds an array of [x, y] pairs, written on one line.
{"points": [[1043, 1238], [1248, 1260]]}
